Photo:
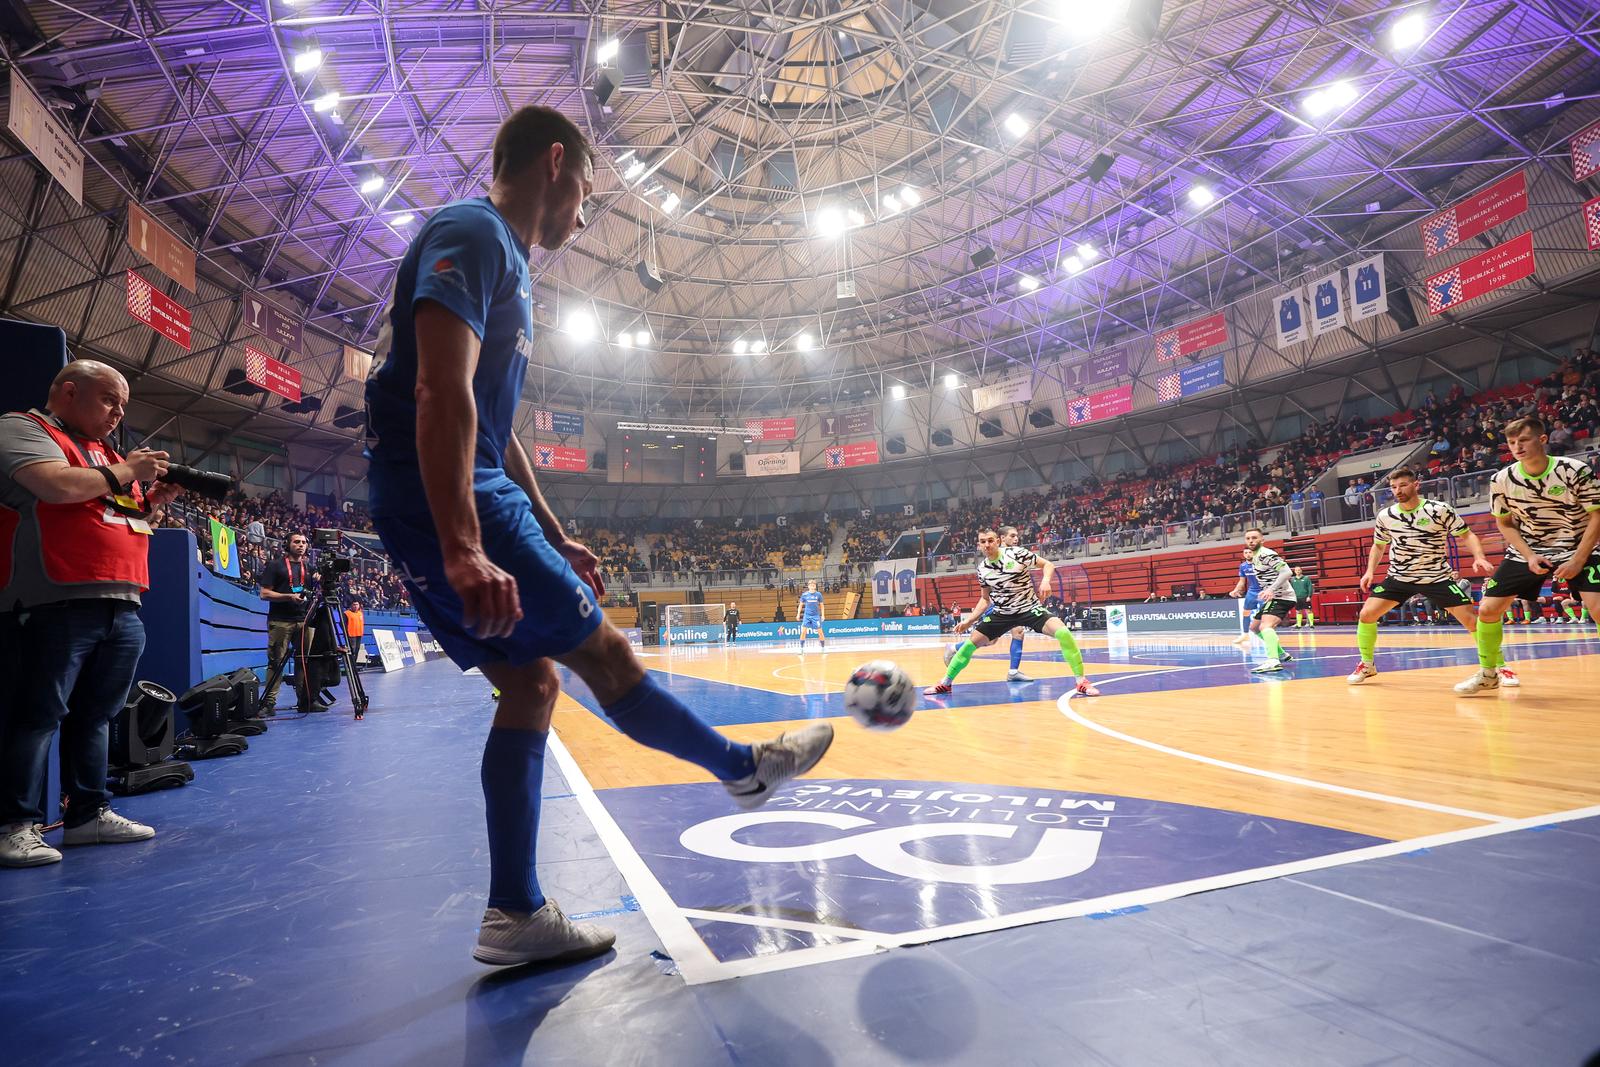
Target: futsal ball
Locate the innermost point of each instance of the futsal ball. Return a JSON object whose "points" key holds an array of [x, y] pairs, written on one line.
{"points": [[880, 696]]}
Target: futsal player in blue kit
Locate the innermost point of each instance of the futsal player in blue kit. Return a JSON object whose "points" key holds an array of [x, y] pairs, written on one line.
{"points": [[1249, 586], [810, 612], [485, 561]]}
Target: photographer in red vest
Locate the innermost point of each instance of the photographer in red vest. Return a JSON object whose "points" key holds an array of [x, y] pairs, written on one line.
{"points": [[75, 528]]}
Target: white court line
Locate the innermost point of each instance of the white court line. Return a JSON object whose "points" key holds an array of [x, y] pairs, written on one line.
{"points": [[743, 919], [1310, 783]]}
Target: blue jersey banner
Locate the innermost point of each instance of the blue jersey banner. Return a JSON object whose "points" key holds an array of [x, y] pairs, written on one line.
{"points": [[562, 423]]}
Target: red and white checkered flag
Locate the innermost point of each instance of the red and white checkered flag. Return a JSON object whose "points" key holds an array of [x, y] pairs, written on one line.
{"points": [[255, 366], [1168, 387], [138, 297], [542, 421], [1591, 223]]}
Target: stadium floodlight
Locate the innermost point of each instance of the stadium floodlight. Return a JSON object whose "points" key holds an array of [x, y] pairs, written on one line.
{"points": [[891, 204], [670, 204], [1029, 283], [326, 102], [372, 183], [741, 346], [757, 346], [909, 196], [830, 222], [1202, 196], [636, 168], [405, 218], [1340, 94], [897, 391], [952, 381], [580, 326], [642, 338], [1016, 125], [1072, 265], [804, 343], [856, 218], [308, 60], [607, 51], [1088, 252], [624, 339], [1409, 30]]}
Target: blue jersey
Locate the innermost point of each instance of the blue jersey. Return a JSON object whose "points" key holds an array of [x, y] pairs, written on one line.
{"points": [[467, 259], [882, 583], [811, 605], [906, 584], [1252, 588]]}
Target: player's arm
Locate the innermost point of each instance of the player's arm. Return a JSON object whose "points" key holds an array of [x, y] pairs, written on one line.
{"points": [[1507, 525], [1479, 562], [447, 430], [520, 469], [963, 624], [1591, 533], [1049, 578]]}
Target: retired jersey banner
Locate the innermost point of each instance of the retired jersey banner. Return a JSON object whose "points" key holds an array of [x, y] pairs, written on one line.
{"points": [[1291, 315], [1586, 152], [1499, 203], [849, 423], [158, 311], [271, 374], [560, 458], [166, 252], [561, 423], [858, 454], [1327, 304], [770, 429], [1191, 337], [767, 464], [1103, 405], [1482, 274], [357, 363], [1188, 381], [266, 319], [1106, 368], [224, 550], [1368, 289], [1018, 390], [1591, 223]]}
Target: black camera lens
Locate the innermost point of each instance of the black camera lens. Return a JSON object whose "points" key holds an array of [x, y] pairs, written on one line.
{"points": [[205, 483]]}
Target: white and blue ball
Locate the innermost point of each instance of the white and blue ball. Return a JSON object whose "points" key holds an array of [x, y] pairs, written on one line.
{"points": [[880, 696]]}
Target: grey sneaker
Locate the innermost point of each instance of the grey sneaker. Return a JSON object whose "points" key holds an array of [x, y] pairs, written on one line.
{"points": [[788, 756], [1479, 681], [507, 938], [107, 828], [22, 845], [1017, 676]]}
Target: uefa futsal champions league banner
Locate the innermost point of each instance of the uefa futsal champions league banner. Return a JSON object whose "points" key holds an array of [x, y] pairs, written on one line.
{"points": [[894, 626]]}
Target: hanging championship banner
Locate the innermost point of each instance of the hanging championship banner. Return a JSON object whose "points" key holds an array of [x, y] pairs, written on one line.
{"points": [[848, 423], [271, 374], [1103, 405], [51, 143], [1191, 337], [1482, 274], [1191, 380], [1291, 314], [266, 319], [1106, 368], [859, 454], [1499, 203], [767, 464], [1585, 151], [158, 311], [224, 550], [357, 363], [883, 583], [166, 252], [1591, 223], [1367, 289], [1327, 304], [561, 423], [770, 429], [560, 458], [1017, 390]]}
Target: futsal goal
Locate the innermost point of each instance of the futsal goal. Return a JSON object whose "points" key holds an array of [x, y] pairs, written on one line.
{"points": [[694, 624]]}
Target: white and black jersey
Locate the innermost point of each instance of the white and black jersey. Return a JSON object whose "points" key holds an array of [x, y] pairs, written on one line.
{"points": [[1274, 575], [1419, 540], [1550, 510], [1008, 581]]}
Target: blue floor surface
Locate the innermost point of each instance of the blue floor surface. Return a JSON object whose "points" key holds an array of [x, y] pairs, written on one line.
{"points": [[315, 900]]}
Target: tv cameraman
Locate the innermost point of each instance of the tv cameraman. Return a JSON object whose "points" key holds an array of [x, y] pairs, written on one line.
{"points": [[286, 584], [75, 529]]}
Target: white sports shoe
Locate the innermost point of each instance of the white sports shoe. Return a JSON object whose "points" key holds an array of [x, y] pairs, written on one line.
{"points": [[1017, 676], [22, 845], [1086, 688], [787, 756], [507, 938], [1508, 677], [949, 653], [1362, 673], [107, 828], [1479, 681], [1268, 667]]}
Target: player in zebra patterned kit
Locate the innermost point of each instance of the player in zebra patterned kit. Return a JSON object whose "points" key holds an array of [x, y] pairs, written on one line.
{"points": [[1007, 580], [1548, 509], [1277, 597], [1417, 533]]}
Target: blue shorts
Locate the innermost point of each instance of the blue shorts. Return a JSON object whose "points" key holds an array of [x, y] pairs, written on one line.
{"points": [[810, 622], [558, 610], [1252, 602]]}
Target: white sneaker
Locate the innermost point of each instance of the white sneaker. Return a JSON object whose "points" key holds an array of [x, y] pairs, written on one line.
{"points": [[1362, 673], [507, 938], [107, 828], [22, 845], [788, 756], [1479, 681], [1268, 667], [949, 653], [1086, 688], [1508, 677], [1017, 676]]}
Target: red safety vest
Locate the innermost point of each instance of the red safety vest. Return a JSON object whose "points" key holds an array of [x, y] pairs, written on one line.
{"points": [[83, 542]]}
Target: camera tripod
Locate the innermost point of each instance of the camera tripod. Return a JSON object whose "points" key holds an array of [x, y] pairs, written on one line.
{"points": [[323, 637]]}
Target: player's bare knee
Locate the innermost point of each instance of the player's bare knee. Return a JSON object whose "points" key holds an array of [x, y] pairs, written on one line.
{"points": [[606, 663]]}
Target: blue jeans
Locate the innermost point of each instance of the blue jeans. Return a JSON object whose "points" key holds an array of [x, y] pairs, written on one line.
{"points": [[75, 666]]}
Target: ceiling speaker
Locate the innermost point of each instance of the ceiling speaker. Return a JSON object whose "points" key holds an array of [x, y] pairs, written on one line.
{"points": [[649, 275], [736, 462], [942, 437], [895, 445], [990, 428], [347, 417], [1100, 167], [1041, 418], [982, 257], [1400, 309], [235, 382], [604, 86]]}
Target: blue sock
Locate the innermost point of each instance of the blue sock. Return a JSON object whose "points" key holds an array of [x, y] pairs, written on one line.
{"points": [[1016, 653], [652, 716], [513, 778]]}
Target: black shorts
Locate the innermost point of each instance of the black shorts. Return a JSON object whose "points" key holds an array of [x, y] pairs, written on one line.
{"points": [[1514, 578], [1442, 595], [1280, 608], [993, 626]]}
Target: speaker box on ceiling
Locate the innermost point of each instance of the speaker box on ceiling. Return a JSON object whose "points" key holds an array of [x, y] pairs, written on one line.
{"points": [[990, 428], [1100, 167], [1041, 418], [598, 461], [736, 462], [895, 445], [604, 86], [235, 382], [649, 275], [982, 257], [1400, 309], [942, 437]]}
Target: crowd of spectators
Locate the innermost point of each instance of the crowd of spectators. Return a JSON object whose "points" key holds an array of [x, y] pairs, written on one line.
{"points": [[705, 545]]}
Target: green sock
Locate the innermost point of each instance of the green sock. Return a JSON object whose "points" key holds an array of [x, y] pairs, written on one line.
{"points": [[959, 661], [1312, 616], [1490, 635], [1274, 646], [1069, 651], [1367, 640]]}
